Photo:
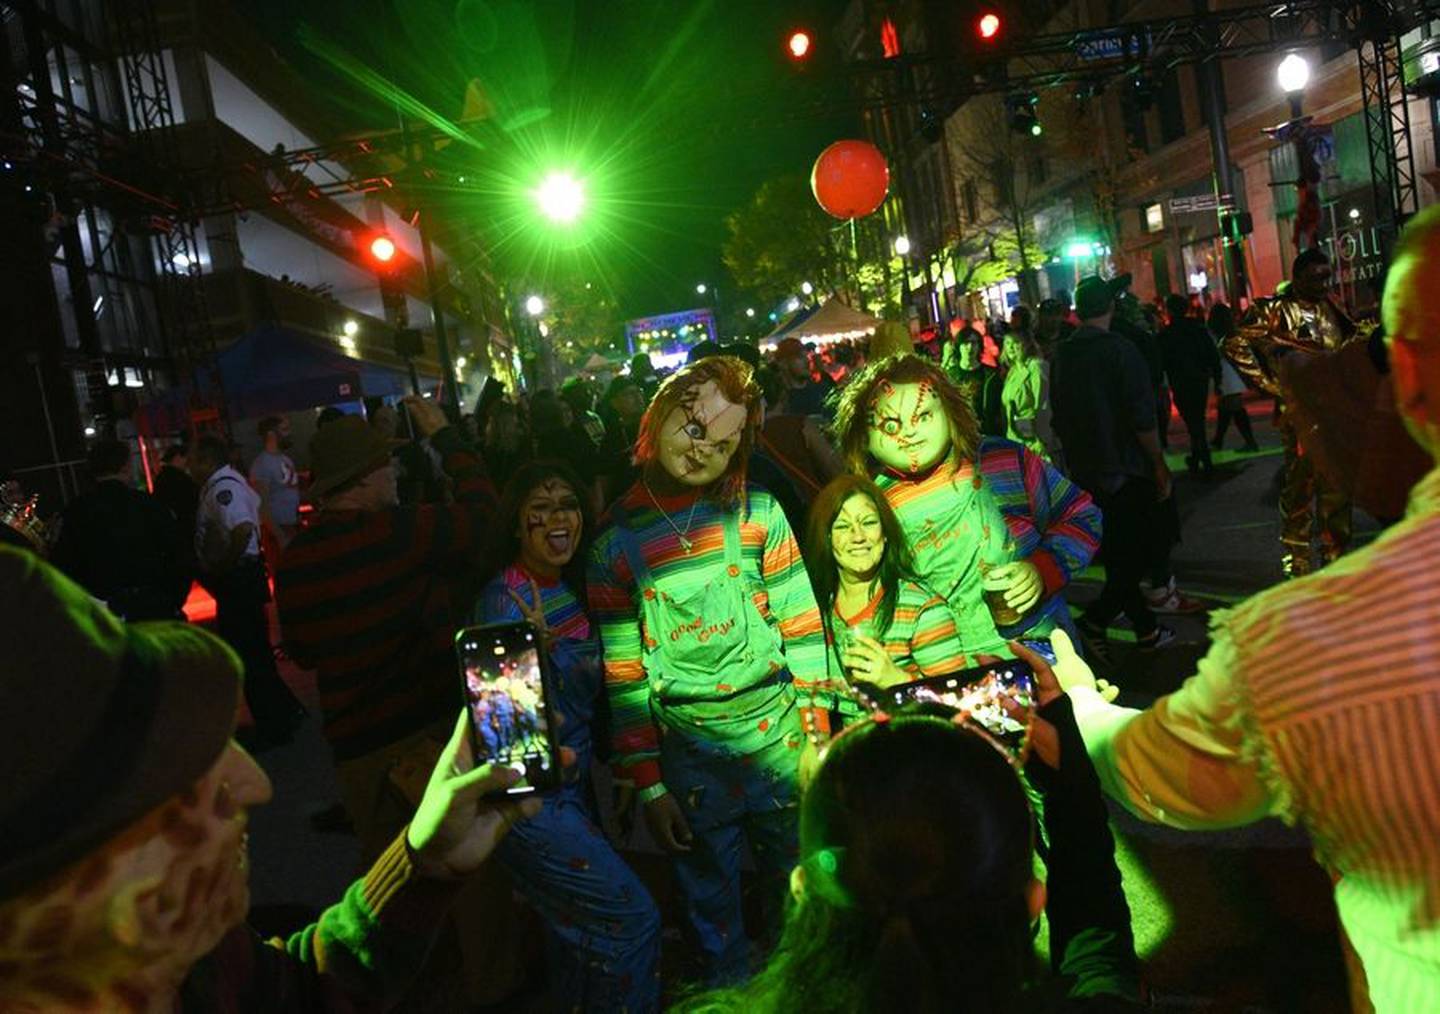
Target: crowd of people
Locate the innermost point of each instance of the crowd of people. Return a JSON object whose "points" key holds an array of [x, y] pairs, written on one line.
{"points": [[714, 561]]}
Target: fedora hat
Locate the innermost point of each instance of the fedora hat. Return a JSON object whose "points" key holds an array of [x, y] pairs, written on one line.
{"points": [[345, 450], [100, 721]]}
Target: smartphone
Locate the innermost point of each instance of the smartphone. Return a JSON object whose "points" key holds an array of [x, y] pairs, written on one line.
{"points": [[505, 678], [977, 692], [1040, 647]]}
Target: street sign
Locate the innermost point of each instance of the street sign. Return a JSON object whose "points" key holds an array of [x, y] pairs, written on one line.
{"points": [[1096, 46], [1201, 203]]}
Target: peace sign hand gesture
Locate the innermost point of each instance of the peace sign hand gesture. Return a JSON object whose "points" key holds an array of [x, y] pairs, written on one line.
{"points": [[533, 611]]}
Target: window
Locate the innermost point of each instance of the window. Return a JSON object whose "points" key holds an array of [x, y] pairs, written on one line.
{"points": [[1038, 170], [1153, 216], [1171, 108], [970, 197], [1133, 114]]}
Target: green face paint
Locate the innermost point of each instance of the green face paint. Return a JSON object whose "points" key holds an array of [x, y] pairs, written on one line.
{"points": [[909, 432]]}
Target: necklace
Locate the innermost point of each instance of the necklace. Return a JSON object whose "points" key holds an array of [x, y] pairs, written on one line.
{"points": [[685, 543]]}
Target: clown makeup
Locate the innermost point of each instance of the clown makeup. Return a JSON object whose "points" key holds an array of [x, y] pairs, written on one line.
{"points": [[856, 538], [909, 431], [699, 436], [549, 528]]}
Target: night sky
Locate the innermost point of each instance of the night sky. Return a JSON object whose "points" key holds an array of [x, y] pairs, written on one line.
{"points": [[676, 110]]}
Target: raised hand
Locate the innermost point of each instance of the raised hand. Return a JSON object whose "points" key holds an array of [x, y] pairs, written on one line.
{"points": [[456, 828]]}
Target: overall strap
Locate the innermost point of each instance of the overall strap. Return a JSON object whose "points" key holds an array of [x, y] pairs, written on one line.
{"points": [[732, 537], [630, 546]]}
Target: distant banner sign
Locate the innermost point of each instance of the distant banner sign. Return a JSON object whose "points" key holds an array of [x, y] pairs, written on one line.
{"points": [[1096, 46], [1201, 203]]}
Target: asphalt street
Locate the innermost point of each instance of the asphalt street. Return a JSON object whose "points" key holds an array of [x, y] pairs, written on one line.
{"points": [[1239, 920]]}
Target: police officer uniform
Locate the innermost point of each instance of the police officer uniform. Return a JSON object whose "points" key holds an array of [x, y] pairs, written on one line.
{"points": [[227, 501]]}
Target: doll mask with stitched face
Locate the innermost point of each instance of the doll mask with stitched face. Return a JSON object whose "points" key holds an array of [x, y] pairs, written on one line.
{"points": [[700, 434], [909, 431]]}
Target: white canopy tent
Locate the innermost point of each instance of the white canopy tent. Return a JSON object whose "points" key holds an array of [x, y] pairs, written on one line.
{"points": [[833, 322]]}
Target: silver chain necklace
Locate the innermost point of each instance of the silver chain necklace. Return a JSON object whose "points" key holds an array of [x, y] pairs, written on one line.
{"points": [[685, 543]]}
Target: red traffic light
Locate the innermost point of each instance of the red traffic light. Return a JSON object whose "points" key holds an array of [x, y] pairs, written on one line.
{"points": [[799, 45], [988, 26], [382, 248]]}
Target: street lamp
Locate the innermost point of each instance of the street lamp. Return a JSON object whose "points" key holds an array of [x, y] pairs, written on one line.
{"points": [[561, 198], [534, 306], [749, 311], [1293, 74], [351, 328], [700, 288], [902, 245], [806, 288]]}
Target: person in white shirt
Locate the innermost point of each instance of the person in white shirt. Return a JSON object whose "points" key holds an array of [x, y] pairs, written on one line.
{"points": [[273, 475], [227, 546]]}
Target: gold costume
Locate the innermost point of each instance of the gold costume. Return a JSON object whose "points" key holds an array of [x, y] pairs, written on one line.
{"points": [[1288, 325]]}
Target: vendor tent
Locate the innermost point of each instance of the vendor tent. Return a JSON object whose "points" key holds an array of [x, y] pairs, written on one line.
{"points": [[277, 369], [834, 321]]}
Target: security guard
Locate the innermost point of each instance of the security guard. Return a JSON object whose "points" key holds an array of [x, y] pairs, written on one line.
{"points": [[227, 546]]}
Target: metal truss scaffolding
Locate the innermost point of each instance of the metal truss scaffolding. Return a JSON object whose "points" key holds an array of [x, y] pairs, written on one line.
{"points": [[152, 124], [1387, 131]]}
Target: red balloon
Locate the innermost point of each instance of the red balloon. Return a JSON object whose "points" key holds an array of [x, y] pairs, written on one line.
{"points": [[850, 179]]}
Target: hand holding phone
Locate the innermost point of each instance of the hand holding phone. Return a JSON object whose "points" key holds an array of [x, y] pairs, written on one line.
{"points": [[505, 679]]}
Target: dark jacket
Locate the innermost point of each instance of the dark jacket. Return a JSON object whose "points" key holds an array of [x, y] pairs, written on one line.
{"points": [[1100, 397], [121, 545], [1191, 361]]}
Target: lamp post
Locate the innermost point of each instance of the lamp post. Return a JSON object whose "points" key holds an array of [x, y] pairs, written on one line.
{"points": [[701, 288], [1293, 74]]}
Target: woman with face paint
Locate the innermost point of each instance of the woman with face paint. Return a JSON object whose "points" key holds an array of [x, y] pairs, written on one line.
{"points": [[884, 627], [713, 650], [981, 514], [602, 926]]}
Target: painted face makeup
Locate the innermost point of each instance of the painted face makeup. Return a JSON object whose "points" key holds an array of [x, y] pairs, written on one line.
{"points": [[549, 528], [909, 431], [699, 436], [856, 538]]}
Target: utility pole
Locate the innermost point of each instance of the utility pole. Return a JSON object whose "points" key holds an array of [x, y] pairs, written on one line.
{"points": [[1213, 95]]}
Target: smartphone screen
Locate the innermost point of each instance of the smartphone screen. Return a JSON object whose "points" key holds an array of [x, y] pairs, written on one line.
{"points": [[978, 692], [504, 679]]}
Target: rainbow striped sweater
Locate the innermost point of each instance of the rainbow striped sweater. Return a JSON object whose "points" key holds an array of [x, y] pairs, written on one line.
{"points": [[1024, 509], [770, 558], [921, 639]]}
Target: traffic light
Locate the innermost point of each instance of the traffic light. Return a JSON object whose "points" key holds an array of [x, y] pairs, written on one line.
{"points": [[889, 40], [799, 45], [988, 25], [1022, 115], [382, 248]]}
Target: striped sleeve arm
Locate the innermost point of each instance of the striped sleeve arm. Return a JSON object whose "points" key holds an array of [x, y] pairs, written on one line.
{"points": [[792, 603], [1185, 761], [935, 642], [635, 739], [1071, 533]]}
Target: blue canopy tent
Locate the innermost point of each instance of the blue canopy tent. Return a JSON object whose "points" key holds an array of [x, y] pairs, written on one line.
{"points": [[275, 369]]}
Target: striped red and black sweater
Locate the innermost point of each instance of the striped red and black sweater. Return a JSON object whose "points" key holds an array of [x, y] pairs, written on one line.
{"points": [[364, 600]]}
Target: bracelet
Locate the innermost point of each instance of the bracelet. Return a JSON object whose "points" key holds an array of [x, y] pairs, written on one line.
{"points": [[811, 725], [652, 792]]}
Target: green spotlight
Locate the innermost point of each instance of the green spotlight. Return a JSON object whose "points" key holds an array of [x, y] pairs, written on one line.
{"points": [[561, 198]]}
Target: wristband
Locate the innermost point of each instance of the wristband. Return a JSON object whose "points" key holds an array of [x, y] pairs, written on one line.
{"points": [[652, 792]]}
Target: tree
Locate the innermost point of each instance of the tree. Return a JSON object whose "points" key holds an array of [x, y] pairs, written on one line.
{"points": [[780, 239], [1012, 166]]}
